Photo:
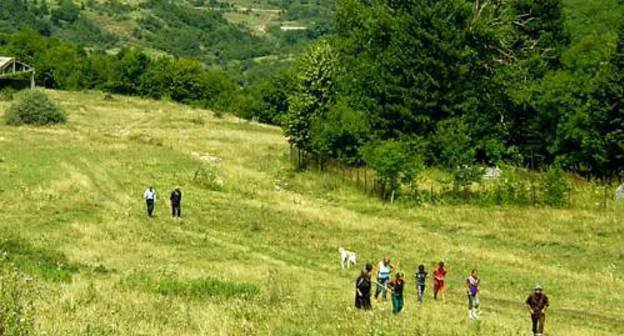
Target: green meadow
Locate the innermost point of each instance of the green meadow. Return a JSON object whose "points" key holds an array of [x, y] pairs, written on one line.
{"points": [[256, 252]]}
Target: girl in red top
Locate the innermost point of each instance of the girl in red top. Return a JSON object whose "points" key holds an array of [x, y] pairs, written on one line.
{"points": [[438, 281]]}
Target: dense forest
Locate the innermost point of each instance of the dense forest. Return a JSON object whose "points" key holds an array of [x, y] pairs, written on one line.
{"points": [[458, 84], [393, 85]]}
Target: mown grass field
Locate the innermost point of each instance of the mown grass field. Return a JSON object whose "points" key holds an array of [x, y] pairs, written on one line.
{"points": [[257, 255]]}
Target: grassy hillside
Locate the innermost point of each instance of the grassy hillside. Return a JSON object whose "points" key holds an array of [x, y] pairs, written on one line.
{"points": [[256, 250]]}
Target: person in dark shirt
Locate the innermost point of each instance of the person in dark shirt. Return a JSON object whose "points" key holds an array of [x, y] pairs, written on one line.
{"points": [[396, 287], [537, 303], [176, 202], [421, 281], [363, 288]]}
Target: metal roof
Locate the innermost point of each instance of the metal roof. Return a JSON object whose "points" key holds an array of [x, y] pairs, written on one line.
{"points": [[4, 61]]}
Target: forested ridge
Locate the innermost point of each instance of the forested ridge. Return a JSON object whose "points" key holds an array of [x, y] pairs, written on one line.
{"points": [[456, 84]]}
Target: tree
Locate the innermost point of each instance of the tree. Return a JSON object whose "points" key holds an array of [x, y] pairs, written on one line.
{"points": [[341, 134], [316, 79], [607, 113], [130, 69], [540, 36], [453, 150], [394, 164], [266, 100], [67, 12]]}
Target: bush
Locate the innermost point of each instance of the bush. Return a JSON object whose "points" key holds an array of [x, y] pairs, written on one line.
{"points": [[510, 188], [555, 187], [16, 301], [7, 93], [33, 107]]}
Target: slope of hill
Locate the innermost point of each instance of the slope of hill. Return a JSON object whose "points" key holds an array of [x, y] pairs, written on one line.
{"points": [[256, 250], [216, 32]]}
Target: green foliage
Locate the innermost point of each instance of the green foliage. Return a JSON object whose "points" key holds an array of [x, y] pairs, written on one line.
{"points": [[316, 79], [394, 164], [266, 100], [7, 93], [511, 188], [17, 295], [452, 144], [33, 107], [66, 66], [190, 32], [66, 12], [606, 117], [16, 14], [555, 187], [340, 134]]}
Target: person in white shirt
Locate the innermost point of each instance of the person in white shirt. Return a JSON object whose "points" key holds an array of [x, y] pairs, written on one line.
{"points": [[150, 198], [385, 268]]}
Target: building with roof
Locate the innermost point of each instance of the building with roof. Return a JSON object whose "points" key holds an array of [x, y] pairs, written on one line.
{"points": [[12, 68]]}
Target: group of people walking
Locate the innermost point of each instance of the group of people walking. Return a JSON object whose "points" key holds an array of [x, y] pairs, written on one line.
{"points": [[175, 198], [537, 302]]}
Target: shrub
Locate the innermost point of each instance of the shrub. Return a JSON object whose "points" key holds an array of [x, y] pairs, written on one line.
{"points": [[555, 187], [16, 301], [33, 107], [510, 188], [7, 93]]}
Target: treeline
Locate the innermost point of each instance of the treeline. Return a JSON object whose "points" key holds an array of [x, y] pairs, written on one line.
{"points": [[456, 84], [62, 65]]}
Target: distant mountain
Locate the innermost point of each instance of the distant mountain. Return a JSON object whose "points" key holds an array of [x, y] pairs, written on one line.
{"points": [[216, 32]]}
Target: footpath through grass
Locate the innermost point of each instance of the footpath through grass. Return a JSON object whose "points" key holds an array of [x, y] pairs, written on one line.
{"points": [[256, 252]]}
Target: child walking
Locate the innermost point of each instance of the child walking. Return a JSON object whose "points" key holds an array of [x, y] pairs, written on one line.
{"points": [[438, 281], [473, 283], [421, 281], [396, 287]]}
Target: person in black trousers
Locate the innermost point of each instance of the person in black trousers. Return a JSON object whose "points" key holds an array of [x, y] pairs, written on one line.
{"points": [[150, 198], [363, 289], [176, 202]]}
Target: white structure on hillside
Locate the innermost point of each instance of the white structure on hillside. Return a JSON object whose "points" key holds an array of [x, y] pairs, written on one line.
{"points": [[10, 67]]}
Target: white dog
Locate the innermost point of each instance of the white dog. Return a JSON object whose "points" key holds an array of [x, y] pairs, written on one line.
{"points": [[347, 258]]}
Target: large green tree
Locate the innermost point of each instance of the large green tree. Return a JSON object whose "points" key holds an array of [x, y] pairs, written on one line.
{"points": [[314, 95], [607, 113]]}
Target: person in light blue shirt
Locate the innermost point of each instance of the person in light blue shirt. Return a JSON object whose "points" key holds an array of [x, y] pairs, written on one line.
{"points": [[385, 268]]}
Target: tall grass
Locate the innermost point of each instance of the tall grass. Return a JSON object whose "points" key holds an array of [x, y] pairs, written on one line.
{"points": [[259, 256]]}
